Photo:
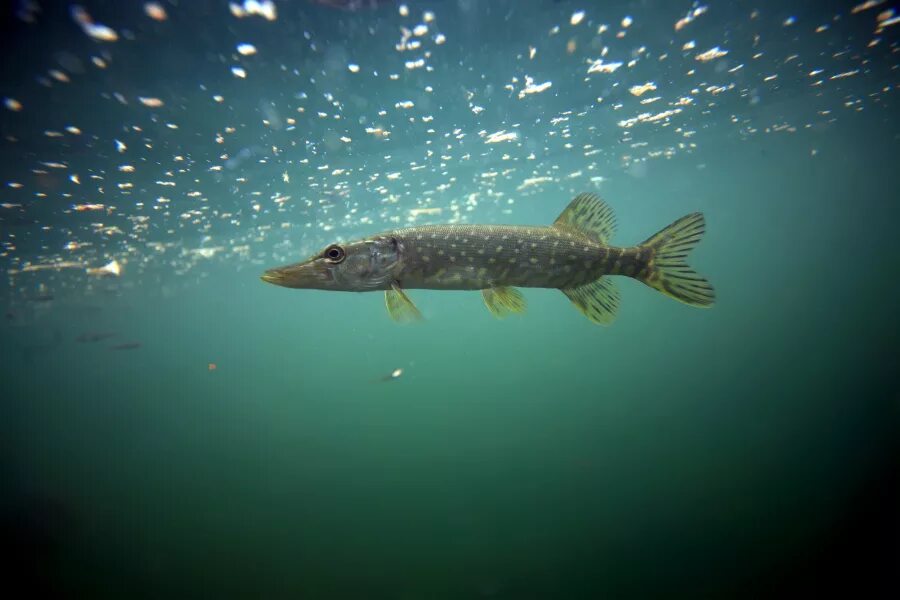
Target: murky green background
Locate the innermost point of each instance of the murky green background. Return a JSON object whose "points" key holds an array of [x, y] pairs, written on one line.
{"points": [[746, 450]]}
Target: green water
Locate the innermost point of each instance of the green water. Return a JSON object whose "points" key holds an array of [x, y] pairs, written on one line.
{"points": [[748, 450]]}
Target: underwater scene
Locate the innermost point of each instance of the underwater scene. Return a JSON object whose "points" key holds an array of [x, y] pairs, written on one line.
{"points": [[490, 299]]}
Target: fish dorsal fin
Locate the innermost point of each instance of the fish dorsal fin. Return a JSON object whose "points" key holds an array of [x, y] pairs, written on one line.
{"points": [[399, 306], [590, 216], [503, 301], [597, 300]]}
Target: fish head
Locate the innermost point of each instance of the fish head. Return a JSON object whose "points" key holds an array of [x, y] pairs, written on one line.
{"points": [[369, 264]]}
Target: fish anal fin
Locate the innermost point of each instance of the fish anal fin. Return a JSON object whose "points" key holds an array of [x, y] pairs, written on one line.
{"points": [[588, 215], [597, 300], [400, 308], [503, 301]]}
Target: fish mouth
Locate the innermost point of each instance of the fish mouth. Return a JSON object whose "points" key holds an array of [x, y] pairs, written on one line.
{"points": [[273, 276], [305, 275]]}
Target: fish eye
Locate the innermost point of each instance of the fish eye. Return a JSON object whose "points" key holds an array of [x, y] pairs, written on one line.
{"points": [[334, 254]]}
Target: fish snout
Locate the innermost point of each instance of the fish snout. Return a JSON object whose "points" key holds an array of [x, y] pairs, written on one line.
{"points": [[305, 275], [275, 276]]}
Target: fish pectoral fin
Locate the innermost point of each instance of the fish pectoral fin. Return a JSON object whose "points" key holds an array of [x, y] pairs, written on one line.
{"points": [[399, 306], [503, 301], [597, 300]]}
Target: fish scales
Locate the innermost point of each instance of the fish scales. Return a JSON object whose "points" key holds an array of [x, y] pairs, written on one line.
{"points": [[474, 257]]}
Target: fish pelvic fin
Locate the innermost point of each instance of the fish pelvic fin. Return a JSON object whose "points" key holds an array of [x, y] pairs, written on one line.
{"points": [[597, 300], [400, 308], [504, 301], [667, 270], [588, 215]]}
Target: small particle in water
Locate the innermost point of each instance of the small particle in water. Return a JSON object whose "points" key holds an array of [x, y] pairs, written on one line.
{"points": [[211, 367], [94, 30], [711, 54], [353, 68], [789, 21], [120, 147], [404, 10], [246, 49], [12, 104], [239, 72], [428, 16], [151, 102], [577, 17], [264, 8], [155, 11], [395, 374], [626, 22], [598, 66], [440, 39], [638, 90]]}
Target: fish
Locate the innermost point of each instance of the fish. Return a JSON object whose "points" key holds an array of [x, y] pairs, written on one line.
{"points": [[573, 255], [94, 336], [126, 346]]}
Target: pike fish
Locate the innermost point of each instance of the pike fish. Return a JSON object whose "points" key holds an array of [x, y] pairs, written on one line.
{"points": [[573, 255]]}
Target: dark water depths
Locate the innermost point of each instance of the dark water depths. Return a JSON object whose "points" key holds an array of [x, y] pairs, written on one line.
{"points": [[241, 441]]}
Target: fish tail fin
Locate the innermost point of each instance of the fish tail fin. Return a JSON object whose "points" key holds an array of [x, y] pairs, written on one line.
{"points": [[668, 272]]}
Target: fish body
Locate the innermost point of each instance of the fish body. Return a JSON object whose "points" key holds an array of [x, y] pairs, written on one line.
{"points": [[574, 255], [476, 257]]}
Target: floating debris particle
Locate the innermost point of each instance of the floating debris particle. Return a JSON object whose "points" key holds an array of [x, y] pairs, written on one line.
{"points": [[353, 68], [12, 104], [110, 269], [532, 88], [87, 207], [94, 30], [866, 5], [689, 17], [598, 66], [151, 102], [711, 54], [639, 90], [155, 11], [265, 9], [239, 72], [501, 136], [246, 49], [395, 374], [577, 17]]}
